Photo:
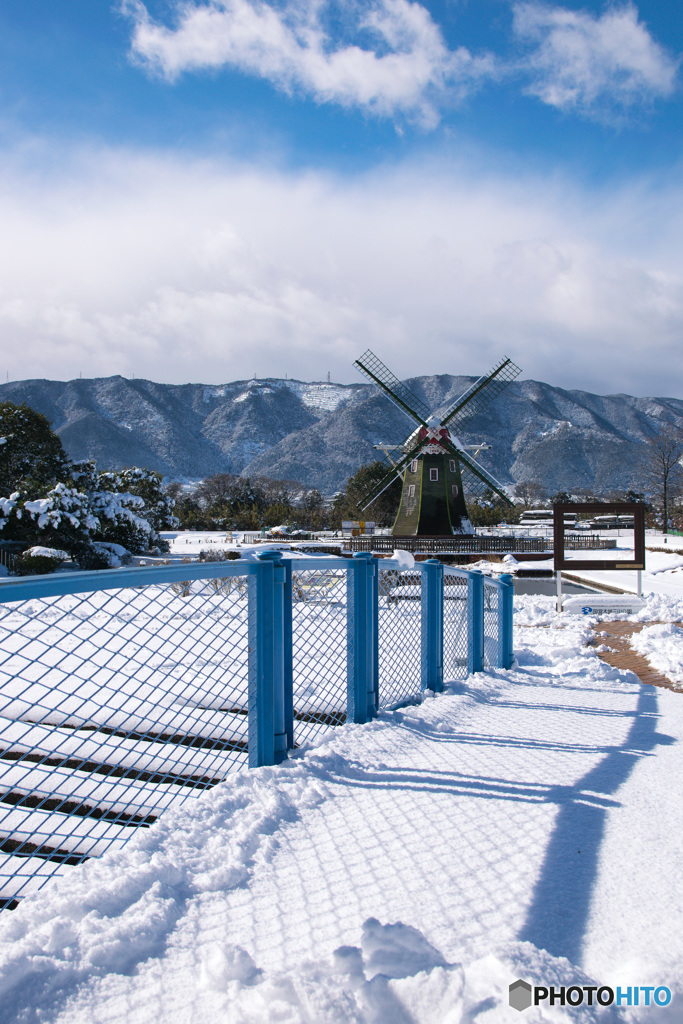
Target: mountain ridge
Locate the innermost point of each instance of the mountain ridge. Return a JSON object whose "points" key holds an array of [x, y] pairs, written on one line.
{"points": [[319, 433]]}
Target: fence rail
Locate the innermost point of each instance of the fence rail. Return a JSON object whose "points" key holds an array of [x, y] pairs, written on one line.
{"points": [[126, 692], [477, 544]]}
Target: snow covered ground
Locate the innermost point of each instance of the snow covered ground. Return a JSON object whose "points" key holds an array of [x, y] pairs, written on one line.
{"points": [[522, 825], [663, 573], [662, 645], [662, 576]]}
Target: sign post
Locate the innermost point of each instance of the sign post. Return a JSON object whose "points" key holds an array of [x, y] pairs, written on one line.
{"points": [[633, 510]]}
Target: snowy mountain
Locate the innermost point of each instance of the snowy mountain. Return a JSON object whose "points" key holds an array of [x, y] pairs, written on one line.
{"points": [[320, 433]]}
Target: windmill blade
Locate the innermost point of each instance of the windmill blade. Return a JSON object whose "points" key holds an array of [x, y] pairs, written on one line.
{"points": [[375, 370], [475, 486], [484, 479], [480, 395], [395, 472]]}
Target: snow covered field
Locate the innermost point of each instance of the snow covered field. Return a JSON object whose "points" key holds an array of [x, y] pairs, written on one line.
{"points": [[522, 825]]}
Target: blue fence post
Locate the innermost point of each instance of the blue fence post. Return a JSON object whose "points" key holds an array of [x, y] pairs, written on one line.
{"points": [[288, 655], [375, 633], [475, 622], [267, 731], [360, 699], [261, 665], [505, 606], [432, 625]]}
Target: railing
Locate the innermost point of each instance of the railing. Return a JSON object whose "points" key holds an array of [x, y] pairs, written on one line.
{"points": [[127, 691], [477, 544], [8, 559]]}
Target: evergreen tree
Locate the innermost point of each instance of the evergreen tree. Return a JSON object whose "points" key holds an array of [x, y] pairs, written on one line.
{"points": [[489, 510], [32, 459], [383, 510]]}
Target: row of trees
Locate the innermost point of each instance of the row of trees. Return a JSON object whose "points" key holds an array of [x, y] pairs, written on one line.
{"points": [[229, 502]]}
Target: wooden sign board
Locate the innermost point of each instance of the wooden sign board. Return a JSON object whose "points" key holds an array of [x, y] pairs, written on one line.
{"points": [[619, 508]]}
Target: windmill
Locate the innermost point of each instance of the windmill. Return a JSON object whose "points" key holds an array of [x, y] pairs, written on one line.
{"points": [[432, 461]]}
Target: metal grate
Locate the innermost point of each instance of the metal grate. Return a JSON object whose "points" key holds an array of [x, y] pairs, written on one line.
{"points": [[491, 598], [400, 635], [480, 484], [479, 396], [319, 650], [454, 626], [114, 705], [399, 393]]}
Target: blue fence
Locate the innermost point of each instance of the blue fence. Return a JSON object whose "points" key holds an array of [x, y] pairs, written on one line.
{"points": [[126, 691]]}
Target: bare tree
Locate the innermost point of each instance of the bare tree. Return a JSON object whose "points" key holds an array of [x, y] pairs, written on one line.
{"points": [[662, 467], [530, 493], [174, 489], [217, 488]]}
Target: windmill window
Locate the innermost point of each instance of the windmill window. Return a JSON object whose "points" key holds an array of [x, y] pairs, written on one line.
{"points": [[454, 490], [413, 466], [433, 474], [411, 491], [451, 465]]}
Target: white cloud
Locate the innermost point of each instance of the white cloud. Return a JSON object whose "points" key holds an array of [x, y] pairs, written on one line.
{"points": [[592, 64], [182, 271], [395, 60]]}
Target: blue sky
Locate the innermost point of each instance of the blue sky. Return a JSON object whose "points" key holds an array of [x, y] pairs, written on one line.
{"points": [[210, 190]]}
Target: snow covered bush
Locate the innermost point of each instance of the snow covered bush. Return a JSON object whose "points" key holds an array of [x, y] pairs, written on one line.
{"points": [[38, 549], [92, 516], [130, 507], [61, 519], [35, 565], [145, 486], [45, 499], [39, 560], [218, 555], [115, 554]]}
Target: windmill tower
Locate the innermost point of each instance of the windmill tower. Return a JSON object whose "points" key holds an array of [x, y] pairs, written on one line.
{"points": [[432, 461]]}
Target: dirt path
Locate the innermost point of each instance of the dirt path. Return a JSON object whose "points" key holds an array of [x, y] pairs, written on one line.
{"points": [[616, 636]]}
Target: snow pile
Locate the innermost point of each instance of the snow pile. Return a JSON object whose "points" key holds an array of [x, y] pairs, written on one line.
{"points": [[535, 610], [41, 552], [673, 564], [661, 608], [539, 610], [662, 645], [405, 559]]}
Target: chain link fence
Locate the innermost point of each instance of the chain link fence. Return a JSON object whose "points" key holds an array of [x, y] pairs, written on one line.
{"points": [[399, 634], [491, 622], [114, 705], [126, 692], [319, 649], [455, 626]]}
